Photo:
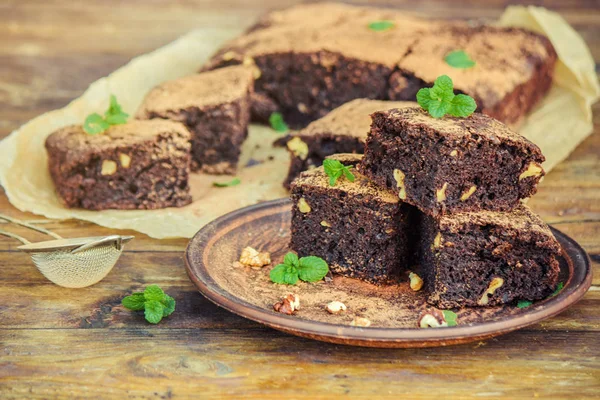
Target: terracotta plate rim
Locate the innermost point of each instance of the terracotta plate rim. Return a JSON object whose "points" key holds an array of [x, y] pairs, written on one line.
{"points": [[580, 280]]}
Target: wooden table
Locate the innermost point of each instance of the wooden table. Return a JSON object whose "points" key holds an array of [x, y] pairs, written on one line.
{"points": [[67, 343]]}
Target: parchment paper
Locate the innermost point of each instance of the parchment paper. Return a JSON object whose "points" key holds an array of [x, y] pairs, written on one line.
{"points": [[558, 125]]}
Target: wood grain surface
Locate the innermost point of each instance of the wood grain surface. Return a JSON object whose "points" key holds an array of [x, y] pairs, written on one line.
{"points": [[81, 343]]}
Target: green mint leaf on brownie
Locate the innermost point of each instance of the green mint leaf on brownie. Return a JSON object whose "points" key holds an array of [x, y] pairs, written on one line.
{"points": [[153, 311], [169, 305], [95, 124], [335, 169], [284, 274], [233, 182], [524, 303], [440, 100], [153, 292], [277, 122], [134, 302], [379, 26], [559, 287], [312, 269], [450, 317], [459, 59], [291, 259]]}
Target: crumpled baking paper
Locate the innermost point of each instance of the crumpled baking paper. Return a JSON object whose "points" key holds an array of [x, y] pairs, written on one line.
{"points": [[557, 125]]}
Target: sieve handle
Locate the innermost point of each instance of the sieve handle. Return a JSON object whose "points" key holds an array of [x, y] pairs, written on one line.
{"points": [[27, 225], [15, 236]]}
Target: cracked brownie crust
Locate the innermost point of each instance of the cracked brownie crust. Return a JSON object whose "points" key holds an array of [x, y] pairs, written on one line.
{"points": [[139, 165]]}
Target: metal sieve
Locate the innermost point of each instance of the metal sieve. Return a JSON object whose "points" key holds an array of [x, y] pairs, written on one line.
{"points": [[72, 263]]}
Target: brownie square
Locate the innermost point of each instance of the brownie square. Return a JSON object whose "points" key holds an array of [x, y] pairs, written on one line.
{"points": [[215, 107], [343, 130], [487, 258], [138, 165], [513, 69], [451, 164], [360, 229]]}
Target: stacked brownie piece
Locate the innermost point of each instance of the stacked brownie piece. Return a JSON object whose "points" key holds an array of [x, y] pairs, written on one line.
{"points": [[459, 183]]}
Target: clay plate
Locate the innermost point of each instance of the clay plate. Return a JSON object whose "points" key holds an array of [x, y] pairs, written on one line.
{"points": [[393, 310]]}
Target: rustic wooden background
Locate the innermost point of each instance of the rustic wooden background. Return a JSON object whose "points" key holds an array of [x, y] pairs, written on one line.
{"points": [[61, 343]]}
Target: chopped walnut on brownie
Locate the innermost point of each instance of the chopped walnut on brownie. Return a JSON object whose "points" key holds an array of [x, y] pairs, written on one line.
{"points": [[138, 165], [451, 164], [215, 106], [361, 230], [487, 258], [343, 130]]}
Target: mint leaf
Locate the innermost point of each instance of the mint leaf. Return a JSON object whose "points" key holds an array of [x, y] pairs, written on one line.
{"points": [[169, 305], [113, 107], [291, 259], [95, 124], [440, 100], [154, 311], [134, 302], [153, 292], [559, 287], [312, 269], [284, 274], [277, 122], [381, 25], [450, 317], [234, 182], [524, 303], [459, 59], [335, 169], [116, 119], [462, 106]]}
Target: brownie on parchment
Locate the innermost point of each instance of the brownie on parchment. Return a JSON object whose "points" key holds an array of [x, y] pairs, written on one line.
{"points": [[138, 165], [487, 258], [312, 58], [343, 130], [361, 230], [451, 164], [215, 107]]}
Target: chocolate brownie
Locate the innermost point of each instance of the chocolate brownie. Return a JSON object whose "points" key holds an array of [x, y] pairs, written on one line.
{"points": [[487, 258], [361, 230], [138, 165], [451, 164], [312, 58], [513, 69], [215, 106], [343, 130]]}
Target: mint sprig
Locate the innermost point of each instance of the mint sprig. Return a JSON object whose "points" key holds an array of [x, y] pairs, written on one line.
{"points": [[440, 100], [450, 317], [459, 59], [335, 169], [154, 301], [379, 26], [234, 182], [308, 269], [277, 122], [524, 303], [559, 287], [96, 123]]}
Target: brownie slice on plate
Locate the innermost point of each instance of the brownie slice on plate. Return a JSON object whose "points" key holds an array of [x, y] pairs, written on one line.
{"points": [[451, 164], [343, 130], [360, 229], [138, 165], [487, 258], [215, 106]]}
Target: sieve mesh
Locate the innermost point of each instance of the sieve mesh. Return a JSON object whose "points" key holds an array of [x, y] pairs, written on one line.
{"points": [[76, 270]]}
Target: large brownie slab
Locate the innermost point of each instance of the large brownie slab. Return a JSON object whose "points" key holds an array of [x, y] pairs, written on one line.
{"points": [[215, 107], [451, 164], [139, 165], [487, 258], [313, 58], [361, 230], [343, 130]]}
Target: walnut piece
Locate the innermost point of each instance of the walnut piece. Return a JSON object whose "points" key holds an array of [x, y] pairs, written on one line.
{"points": [[432, 319], [467, 193], [303, 206], [416, 283], [125, 160], [109, 167], [360, 321], [325, 224], [437, 241], [495, 283], [453, 153], [440, 194], [533, 169], [399, 177], [252, 258], [298, 147], [335, 307], [288, 304]]}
